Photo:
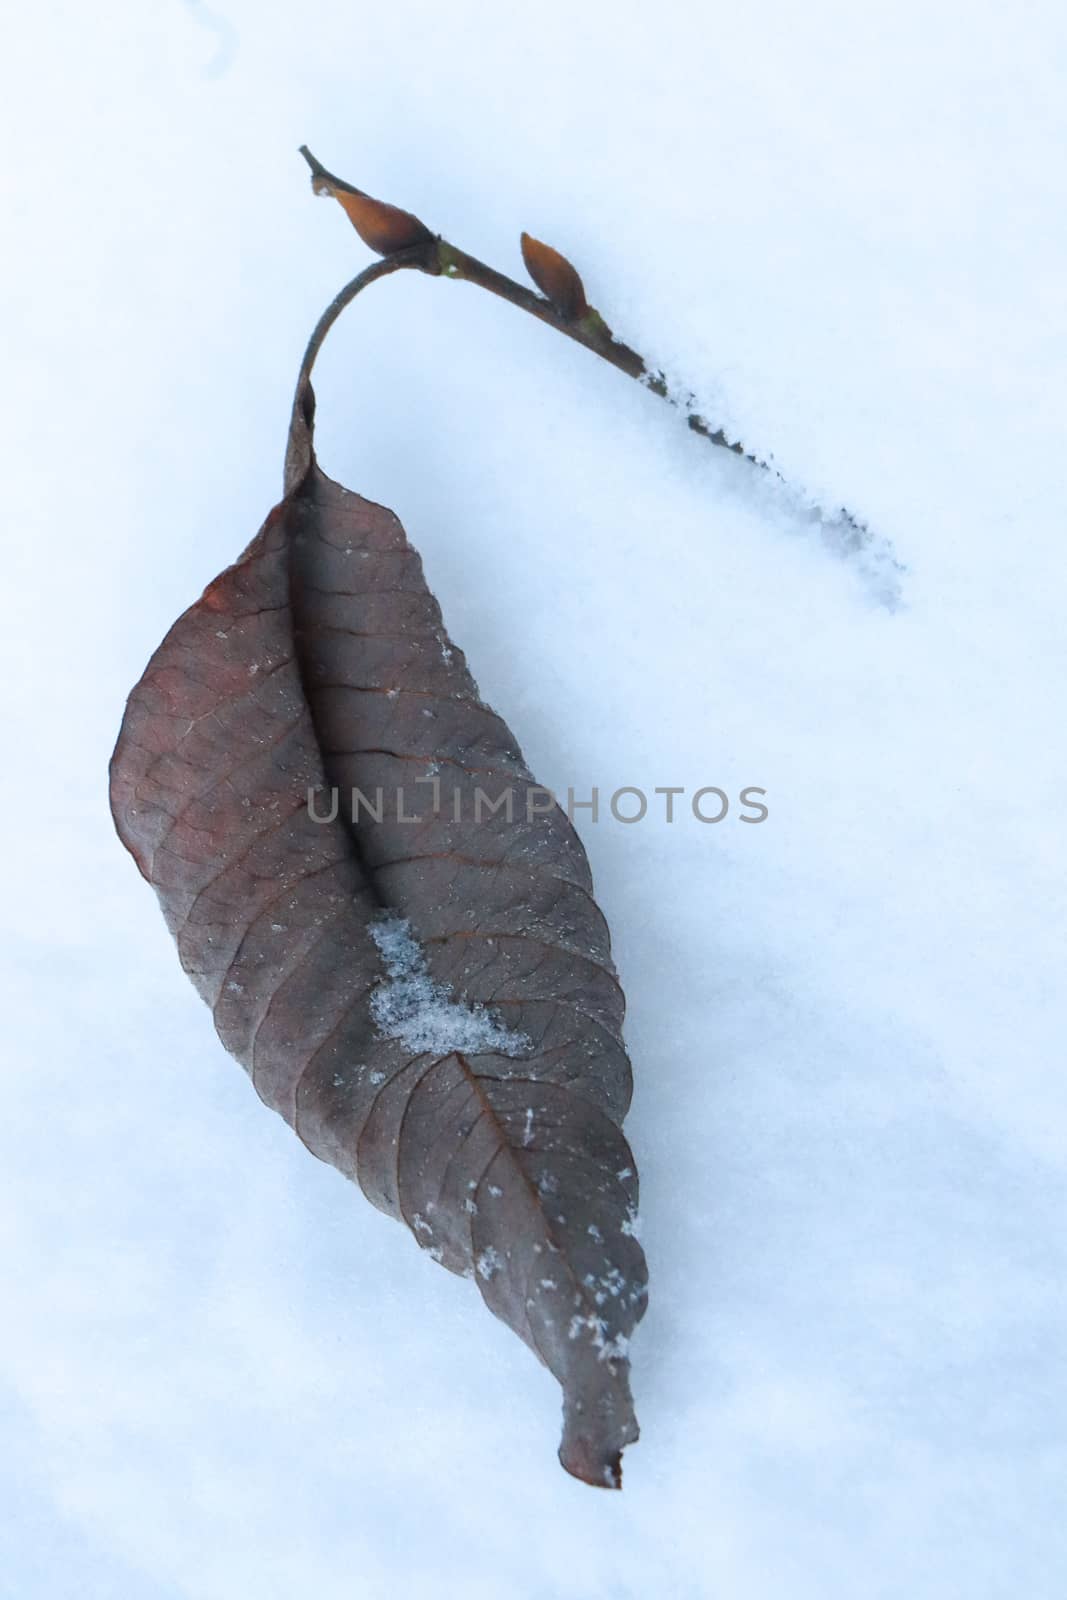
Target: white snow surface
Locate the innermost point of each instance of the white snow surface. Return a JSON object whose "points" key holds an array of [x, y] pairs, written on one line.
{"points": [[408, 1005], [222, 1372]]}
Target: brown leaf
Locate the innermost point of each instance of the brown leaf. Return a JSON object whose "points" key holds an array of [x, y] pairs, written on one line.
{"points": [[320, 659], [557, 280]]}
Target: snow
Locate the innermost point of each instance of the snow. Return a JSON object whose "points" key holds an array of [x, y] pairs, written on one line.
{"points": [[422, 1014], [595, 1327], [222, 1372], [487, 1262]]}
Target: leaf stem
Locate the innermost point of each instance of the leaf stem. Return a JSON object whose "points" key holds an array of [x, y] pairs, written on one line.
{"points": [[413, 257]]}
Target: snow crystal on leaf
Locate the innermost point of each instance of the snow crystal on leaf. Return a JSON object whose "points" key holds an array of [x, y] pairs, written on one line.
{"points": [[422, 1014], [631, 1226], [607, 1349], [487, 1261]]}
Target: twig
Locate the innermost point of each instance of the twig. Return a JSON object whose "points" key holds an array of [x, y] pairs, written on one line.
{"points": [[405, 242], [411, 257]]}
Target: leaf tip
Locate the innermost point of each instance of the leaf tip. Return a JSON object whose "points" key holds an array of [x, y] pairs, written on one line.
{"points": [[588, 1466], [597, 1430]]}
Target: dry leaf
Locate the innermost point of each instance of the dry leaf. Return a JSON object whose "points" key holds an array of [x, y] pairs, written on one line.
{"points": [[430, 1003]]}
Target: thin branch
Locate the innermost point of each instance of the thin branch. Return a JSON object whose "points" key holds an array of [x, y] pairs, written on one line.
{"points": [[590, 330], [434, 255], [369, 275]]}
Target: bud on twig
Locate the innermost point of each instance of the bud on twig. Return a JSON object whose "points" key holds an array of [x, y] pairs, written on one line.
{"points": [[404, 241], [382, 227], [557, 280]]}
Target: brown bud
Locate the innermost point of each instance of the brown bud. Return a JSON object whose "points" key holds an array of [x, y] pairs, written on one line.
{"points": [[555, 277], [384, 228]]}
